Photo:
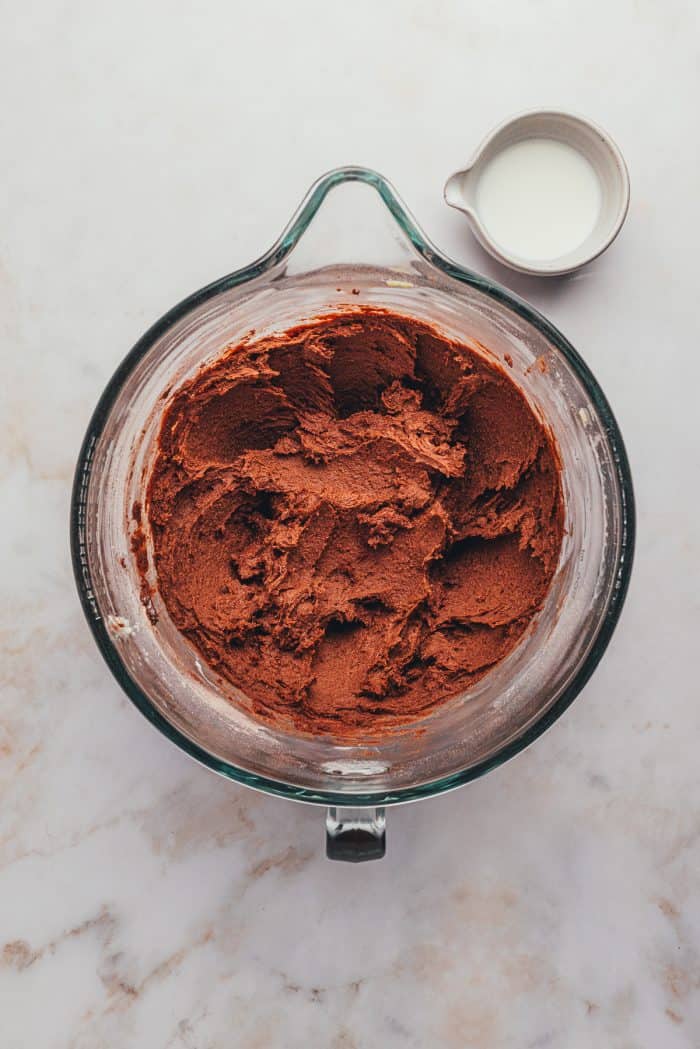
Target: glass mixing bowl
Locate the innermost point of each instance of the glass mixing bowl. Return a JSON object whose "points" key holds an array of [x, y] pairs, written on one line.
{"points": [[347, 246]]}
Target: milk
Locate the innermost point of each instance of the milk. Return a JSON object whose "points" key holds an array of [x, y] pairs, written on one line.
{"points": [[538, 199]]}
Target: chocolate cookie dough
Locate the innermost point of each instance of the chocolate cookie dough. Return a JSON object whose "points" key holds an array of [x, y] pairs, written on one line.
{"points": [[354, 520]]}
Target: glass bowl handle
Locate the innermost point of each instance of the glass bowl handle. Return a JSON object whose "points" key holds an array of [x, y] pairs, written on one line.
{"points": [[350, 216], [355, 835]]}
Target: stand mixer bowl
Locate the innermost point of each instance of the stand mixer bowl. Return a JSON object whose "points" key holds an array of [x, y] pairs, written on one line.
{"points": [[352, 242]]}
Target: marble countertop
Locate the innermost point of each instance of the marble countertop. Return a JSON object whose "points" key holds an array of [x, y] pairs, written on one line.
{"points": [[148, 148]]}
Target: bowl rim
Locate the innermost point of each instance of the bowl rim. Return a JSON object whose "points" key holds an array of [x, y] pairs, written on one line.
{"points": [[279, 250]]}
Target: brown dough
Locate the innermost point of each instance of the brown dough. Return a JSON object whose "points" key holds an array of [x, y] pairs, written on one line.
{"points": [[354, 520]]}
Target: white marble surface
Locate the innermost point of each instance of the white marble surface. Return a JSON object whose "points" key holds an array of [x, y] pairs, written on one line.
{"points": [[147, 148]]}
